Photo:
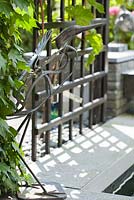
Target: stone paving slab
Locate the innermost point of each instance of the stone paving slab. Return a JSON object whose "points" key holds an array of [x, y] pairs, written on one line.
{"points": [[90, 160], [96, 196]]}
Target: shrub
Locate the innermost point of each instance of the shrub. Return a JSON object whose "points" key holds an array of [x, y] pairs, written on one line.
{"points": [[14, 15]]}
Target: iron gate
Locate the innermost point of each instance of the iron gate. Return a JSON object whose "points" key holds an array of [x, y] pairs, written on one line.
{"points": [[94, 78]]}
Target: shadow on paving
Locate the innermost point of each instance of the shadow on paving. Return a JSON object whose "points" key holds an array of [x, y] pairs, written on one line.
{"points": [[81, 161]]}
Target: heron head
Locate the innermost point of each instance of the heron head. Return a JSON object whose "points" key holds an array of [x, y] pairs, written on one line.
{"points": [[124, 21]]}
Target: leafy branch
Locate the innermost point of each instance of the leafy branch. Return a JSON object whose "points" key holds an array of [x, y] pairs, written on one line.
{"points": [[83, 15], [14, 15]]}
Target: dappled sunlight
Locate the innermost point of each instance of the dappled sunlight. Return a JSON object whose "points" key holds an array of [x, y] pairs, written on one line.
{"points": [[76, 150], [58, 151], [73, 163], [126, 130], [96, 139], [113, 139], [86, 144], [104, 144], [121, 145], [80, 161], [114, 149], [129, 150], [64, 157], [104, 133], [49, 165]]}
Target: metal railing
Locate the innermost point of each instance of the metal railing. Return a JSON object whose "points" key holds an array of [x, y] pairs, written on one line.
{"points": [[69, 80]]}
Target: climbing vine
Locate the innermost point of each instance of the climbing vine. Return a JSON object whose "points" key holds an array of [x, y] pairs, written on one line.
{"points": [[14, 15]]}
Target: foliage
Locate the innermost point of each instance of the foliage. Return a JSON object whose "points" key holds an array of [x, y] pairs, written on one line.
{"points": [[14, 15], [129, 4], [83, 15], [95, 40]]}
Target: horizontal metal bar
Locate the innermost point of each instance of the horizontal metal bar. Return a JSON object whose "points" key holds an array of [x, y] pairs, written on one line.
{"points": [[76, 82], [65, 24], [51, 25], [70, 115], [100, 20], [83, 52], [44, 60]]}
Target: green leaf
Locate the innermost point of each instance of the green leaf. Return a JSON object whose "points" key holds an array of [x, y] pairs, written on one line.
{"points": [[15, 56], [120, 2], [82, 15], [3, 101], [13, 131], [4, 128], [3, 152], [90, 59], [18, 83], [3, 63], [18, 48], [4, 168], [100, 7], [10, 80], [97, 5], [15, 147], [23, 66], [22, 4], [5, 7], [25, 22], [32, 23], [95, 41]]}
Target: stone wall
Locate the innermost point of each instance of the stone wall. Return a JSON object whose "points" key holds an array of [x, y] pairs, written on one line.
{"points": [[119, 63]]}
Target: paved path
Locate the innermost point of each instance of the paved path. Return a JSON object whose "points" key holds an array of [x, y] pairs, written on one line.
{"points": [[90, 163]]}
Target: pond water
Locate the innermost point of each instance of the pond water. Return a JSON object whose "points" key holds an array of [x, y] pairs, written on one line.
{"points": [[124, 184], [126, 188]]}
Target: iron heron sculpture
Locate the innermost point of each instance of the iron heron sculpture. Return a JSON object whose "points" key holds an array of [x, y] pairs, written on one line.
{"points": [[37, 73], [124, 21]]}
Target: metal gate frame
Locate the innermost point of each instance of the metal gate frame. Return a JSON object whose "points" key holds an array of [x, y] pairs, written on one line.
{"points": [[96, 78]]}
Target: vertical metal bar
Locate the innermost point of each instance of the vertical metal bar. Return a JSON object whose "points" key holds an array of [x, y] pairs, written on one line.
{"points": [[98, 112], [48, 102], [91, 89], [35, 30], [34, 137], [104, 59], [81, 75], [97, 67], [98, 14], [62, 7], [60, 109], [91, 96], [71, 101], [71, 90]]}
